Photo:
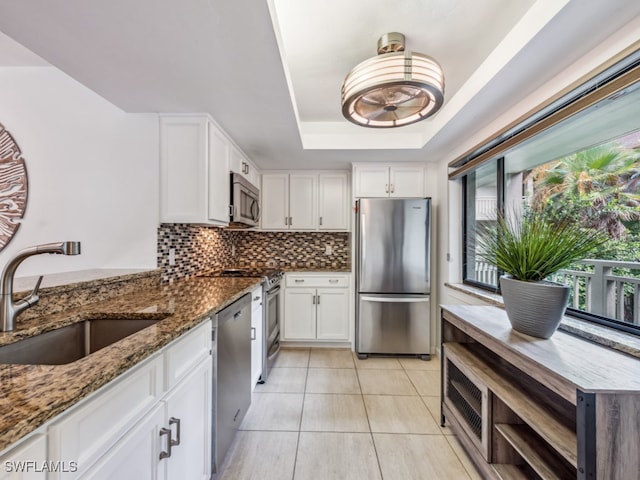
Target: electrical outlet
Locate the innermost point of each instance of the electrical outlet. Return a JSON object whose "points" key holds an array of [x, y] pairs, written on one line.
{"points": [[328, 250], [172, 257]]}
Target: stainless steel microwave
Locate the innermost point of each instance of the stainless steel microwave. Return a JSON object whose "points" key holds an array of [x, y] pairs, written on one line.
{"points": [[245, 202]]}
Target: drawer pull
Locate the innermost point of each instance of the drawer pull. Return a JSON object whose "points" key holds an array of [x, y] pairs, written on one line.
{"points": [[175, 421], [333, 280], [299, 280], [167, 432]]}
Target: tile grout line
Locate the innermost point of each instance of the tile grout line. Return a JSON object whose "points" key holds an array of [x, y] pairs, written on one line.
{"points": [[304, 394], [373, 441]]}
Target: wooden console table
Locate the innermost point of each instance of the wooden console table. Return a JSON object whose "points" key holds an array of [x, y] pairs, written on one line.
{"points": [[524, 407]]}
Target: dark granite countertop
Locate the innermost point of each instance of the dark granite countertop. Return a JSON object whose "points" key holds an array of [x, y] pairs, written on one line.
{"points": [[30, 395]]}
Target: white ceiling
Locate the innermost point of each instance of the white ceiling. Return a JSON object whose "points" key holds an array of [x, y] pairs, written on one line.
{"points": [[270, 71]]}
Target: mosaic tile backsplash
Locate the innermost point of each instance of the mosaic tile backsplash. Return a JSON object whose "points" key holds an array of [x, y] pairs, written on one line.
{"points": [[200, 249]]}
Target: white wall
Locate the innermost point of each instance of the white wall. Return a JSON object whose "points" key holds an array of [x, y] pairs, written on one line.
{"points": [[92, 172]]}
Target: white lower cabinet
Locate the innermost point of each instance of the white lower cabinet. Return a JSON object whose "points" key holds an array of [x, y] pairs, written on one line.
{"points": [[92, 427], [316, 307], [300, 314], [332, 314], [135, 455], [188, 417], [26, 460], [162, 405]]}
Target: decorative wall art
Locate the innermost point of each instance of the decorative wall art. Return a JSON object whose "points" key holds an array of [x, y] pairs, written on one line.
{"points": [[13, 186]]}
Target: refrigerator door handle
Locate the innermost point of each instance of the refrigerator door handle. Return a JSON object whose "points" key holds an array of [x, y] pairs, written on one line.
{"points": [[395, 299], [363, 246]]}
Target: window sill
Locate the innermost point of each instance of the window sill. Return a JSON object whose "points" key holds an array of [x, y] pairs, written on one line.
{"points": [[608, 337]]}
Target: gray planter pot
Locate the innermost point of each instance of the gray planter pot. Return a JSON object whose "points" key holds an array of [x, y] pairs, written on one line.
{"points": [[534, 308]]}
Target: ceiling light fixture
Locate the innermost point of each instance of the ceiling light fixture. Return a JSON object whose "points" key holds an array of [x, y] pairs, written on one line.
{"points": [[393, 89]]}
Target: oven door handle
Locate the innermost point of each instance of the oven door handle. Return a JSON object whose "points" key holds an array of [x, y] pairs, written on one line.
{"points": [[273, 291]]}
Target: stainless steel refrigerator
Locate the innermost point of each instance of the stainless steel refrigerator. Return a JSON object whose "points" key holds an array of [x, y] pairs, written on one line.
{"points": [[393, 284]]}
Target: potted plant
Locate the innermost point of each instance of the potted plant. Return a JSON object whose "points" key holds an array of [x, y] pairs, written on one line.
{"points": [[528, 247]]}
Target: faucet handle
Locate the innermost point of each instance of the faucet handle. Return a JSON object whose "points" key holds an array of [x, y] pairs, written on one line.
{"points": [[34, 298]]}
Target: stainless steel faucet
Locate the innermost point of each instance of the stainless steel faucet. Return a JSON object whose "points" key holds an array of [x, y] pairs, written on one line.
{"points": [[9, 309]]}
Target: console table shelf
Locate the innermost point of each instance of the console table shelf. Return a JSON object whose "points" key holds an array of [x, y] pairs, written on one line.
{"points": [[543, 409]]}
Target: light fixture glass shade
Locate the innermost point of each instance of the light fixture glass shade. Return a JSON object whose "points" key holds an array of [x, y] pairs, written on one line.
{"points": [[392, 90]]}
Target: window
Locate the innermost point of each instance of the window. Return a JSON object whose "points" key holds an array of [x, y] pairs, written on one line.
{"points": [[588, 166]]}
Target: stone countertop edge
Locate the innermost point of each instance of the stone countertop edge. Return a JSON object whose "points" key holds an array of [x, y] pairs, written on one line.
{"points": [[600, 334], [31, 395], [61, 282]]}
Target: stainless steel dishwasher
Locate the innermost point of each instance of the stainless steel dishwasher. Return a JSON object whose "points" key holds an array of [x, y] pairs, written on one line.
{"points": [[232, 383]]}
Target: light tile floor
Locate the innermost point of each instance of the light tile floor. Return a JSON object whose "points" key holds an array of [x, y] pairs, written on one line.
{"points": [[324, 414]]}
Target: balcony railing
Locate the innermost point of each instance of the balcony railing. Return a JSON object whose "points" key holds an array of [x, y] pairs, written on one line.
{"points": [[606, 287]]}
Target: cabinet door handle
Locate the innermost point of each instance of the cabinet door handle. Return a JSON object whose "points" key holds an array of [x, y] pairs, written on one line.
{"points": [[290, 221], [318, 300], [386, 188], [393, 189], [167, 432], [237, 315], [320, 220], [253, 333], [175, 421], [256, 298], [313, 300]]}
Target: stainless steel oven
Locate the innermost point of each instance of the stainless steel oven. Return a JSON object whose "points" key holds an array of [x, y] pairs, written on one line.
{"points": [[272, 316], [245, 202]]}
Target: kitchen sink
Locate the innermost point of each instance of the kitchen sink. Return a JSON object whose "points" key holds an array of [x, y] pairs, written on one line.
{"points": [[72, 342]]}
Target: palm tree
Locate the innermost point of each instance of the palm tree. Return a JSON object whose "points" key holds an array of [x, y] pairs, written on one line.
{"points": [[600, 186]]}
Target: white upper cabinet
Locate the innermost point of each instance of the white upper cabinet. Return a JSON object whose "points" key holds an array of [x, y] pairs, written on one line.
{"points": [[195, 159], [238, 163], [218, 171], [405, 181], [305, 201], [333, 201], [371, 181], [275, 201]]}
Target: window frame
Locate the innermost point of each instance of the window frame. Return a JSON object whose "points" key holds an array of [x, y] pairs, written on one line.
{"points": [[500, 197]]}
